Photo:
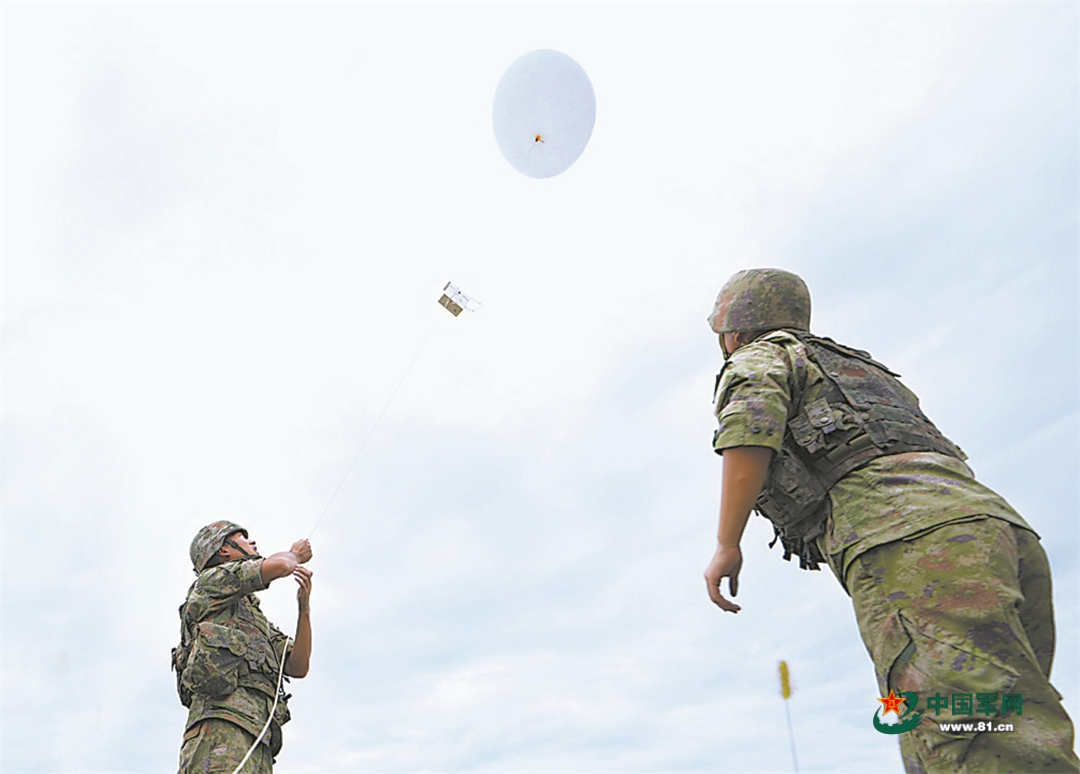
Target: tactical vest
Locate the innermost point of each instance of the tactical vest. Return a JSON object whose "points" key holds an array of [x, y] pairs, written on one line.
{"points": [[859, 412], [233, 650]]}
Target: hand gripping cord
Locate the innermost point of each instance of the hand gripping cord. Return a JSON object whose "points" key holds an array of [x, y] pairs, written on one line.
{"points": [[269, 720]]}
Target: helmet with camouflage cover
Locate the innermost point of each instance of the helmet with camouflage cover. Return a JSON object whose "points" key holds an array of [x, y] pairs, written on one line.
{"points": [[761, 299], [209, 540]]}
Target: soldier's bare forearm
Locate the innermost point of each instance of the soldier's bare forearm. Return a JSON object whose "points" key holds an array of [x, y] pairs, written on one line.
{"points": [[278, 566], [745, 469], [285, 562], [300, 658]]}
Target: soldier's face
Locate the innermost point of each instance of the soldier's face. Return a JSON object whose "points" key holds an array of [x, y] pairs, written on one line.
{"points": [[248, 544], [728, 343]]}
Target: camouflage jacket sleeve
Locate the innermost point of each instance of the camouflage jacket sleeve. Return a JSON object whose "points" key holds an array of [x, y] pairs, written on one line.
{"points": [[218, 588], [753, 397]]}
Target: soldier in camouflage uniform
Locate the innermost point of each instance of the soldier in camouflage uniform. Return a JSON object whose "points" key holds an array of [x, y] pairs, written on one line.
{"points": [[229, 658], [950, 585]]}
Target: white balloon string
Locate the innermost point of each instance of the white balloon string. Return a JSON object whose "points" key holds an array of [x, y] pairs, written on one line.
{"points": [[375, 424]]}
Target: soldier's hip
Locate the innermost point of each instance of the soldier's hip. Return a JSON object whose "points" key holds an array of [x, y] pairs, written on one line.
{"points": [[214, 745]]}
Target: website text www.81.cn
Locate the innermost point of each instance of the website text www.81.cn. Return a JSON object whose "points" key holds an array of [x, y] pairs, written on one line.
{"points": [[982, 725]]}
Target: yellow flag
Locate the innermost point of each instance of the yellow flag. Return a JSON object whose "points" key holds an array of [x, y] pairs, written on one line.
{"points": [[785, 680]]}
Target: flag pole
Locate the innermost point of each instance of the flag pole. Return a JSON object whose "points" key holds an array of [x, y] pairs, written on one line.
{"points": [[785, 691]]}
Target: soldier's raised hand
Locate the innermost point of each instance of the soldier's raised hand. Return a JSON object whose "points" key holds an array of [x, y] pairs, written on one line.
{"points": [[302, 549], [303, 580]]}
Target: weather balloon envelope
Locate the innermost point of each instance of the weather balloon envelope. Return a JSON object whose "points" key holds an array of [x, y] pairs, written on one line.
{"points": [[544, 113]]}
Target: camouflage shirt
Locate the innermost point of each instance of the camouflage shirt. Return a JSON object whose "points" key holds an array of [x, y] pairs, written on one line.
{"points": [[223, 595], [890, 498]]}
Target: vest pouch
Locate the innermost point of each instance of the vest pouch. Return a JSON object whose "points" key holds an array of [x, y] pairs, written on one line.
{"points": [[791, 492], [281, 717], [797, 504], [179, 663], [262, 658], [218, 656], [823, 426]]}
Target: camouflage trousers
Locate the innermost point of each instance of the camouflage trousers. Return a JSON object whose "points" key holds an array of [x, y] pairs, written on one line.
{"points": [[965, 610], [214, 746]]}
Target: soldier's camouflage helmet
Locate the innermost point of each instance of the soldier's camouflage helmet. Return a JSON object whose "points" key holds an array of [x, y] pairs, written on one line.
{"points": [[209, 540], [761, 299]]}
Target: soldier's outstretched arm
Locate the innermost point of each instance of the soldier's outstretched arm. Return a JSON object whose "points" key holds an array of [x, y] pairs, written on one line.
{"points": [[283, 563], [745, 469]]}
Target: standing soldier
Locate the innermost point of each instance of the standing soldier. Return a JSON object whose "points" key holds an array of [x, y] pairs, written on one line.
{"points": [[950, 585], [230, 659]]}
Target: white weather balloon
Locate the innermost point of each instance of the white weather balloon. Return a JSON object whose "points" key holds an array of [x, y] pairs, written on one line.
{"points": [[544, 113]]}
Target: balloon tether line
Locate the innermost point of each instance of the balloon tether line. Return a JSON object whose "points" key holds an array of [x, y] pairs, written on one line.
{"points": [[371, 431], [348, 470]]}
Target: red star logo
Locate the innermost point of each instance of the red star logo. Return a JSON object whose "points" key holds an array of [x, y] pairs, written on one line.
{"points": [[892, 703]]}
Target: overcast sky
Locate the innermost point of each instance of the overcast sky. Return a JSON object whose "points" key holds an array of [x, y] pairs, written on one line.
{"points": [[224, 229]]}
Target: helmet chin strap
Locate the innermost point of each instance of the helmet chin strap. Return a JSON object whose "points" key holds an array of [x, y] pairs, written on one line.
{"points": [[234, 544]]}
